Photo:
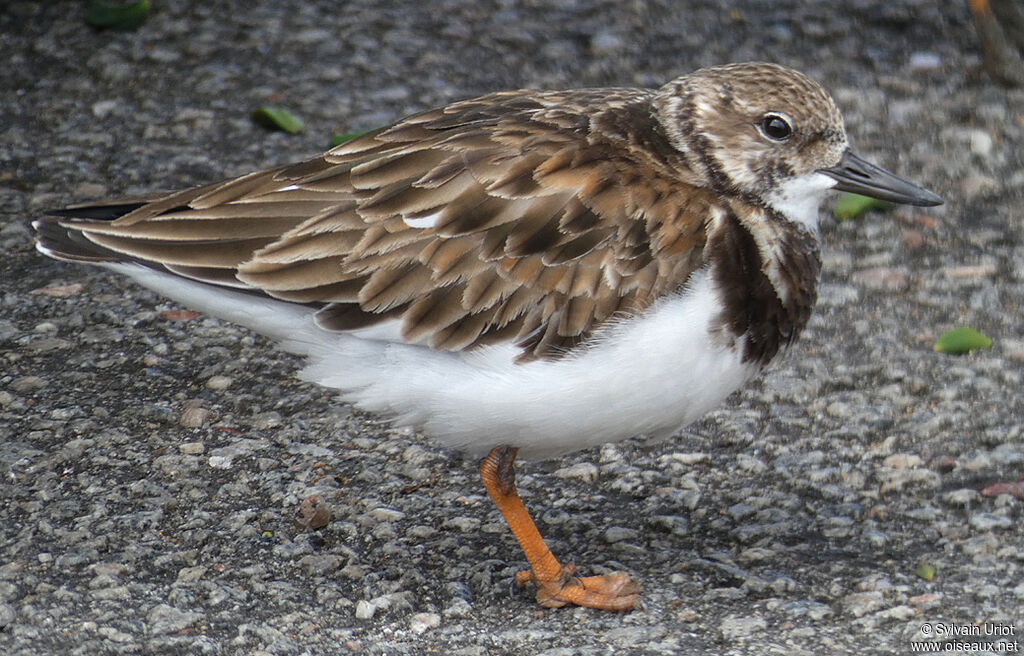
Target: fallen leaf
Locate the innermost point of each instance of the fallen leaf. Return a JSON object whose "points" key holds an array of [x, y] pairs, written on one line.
{"points": [[276, 118], [60, 291], [312, 514], [112, 16], [338, 139], [961, 340], [179, 315], [1016, 488], [850, 206]]}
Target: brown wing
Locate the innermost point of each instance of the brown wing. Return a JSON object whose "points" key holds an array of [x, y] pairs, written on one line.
{"points": [[532, 216]]}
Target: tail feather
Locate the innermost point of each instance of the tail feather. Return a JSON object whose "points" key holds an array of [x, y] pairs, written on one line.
{"points": [[66, 243], [98, 211], [57, 241], [63, 236]]}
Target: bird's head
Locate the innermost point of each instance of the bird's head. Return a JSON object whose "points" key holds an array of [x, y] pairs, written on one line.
{"points": [[773, 136]]}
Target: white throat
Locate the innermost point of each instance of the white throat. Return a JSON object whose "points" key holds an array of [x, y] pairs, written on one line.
{"points": [[798, 199]]}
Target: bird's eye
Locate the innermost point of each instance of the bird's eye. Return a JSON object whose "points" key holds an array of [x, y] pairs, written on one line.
{"points": [[775, 127]]}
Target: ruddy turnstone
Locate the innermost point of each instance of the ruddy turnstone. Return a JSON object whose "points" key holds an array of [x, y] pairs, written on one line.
{"points": [[527, 272]]}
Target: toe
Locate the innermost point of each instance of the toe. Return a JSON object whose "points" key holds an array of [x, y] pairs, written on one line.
{"points": [[608, 592]]}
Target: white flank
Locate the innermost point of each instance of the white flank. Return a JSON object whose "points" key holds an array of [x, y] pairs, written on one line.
{"points": [[649, 375]]}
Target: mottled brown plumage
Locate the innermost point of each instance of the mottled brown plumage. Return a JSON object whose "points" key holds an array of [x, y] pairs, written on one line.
{"points": [[645, 251], [528, 215], [555, 212]]}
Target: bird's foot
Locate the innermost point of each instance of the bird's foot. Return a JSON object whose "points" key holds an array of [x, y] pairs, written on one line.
{"points": [[614, 591], [557, 584]]}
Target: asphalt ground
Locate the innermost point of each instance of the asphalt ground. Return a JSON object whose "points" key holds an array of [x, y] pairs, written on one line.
{"points": [[153, 461]]}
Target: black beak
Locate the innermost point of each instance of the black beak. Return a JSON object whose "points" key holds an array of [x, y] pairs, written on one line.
{"points": [[857, 175]]}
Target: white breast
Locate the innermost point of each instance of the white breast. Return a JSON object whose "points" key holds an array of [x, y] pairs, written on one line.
{"points": [[647, 375]]}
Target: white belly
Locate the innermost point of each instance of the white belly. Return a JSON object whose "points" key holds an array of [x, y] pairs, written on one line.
{"points": [[648, 375]]}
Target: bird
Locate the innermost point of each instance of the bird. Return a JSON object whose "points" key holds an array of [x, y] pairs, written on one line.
{"points": [[525, 273]]}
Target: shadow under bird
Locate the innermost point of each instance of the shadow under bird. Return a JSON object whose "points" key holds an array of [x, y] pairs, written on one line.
{"points": [[524, 273]]}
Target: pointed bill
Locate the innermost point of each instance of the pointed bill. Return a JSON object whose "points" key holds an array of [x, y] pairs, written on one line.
{"points": [[857, 175]]}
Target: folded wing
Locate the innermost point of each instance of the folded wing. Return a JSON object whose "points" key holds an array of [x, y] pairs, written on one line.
{"points": [[495, 219]]}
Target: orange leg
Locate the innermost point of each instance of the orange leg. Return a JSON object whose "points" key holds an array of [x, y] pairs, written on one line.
{"points": [[556, 585]]}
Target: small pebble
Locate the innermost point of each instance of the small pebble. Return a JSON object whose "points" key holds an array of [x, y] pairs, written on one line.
{"points": [[220, 462], [733, 627], [606, 43], [464, 524], [877, 539], [859, 604], [912, 239], [27, 384], [386, 515], [889, 279], [903, 461], [364, 609], [969, 272], [7, 615], [266, 420], [989, 521], [422, 622], [219, 382], [104, 108], [962, 497], [924, 61], [584, 471], [164, 618], [688, 615], [981, 143], [191, 574], [688, 458], [750, 464], [319, 564], [979, 462], [618, 534], [458, 608], [194, 417]]}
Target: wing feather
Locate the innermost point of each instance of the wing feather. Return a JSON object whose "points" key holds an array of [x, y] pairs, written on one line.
{"points": [[503, 218]]}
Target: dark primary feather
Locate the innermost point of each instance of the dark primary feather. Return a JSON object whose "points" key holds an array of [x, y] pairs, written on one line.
{"points": [[103, 212]]}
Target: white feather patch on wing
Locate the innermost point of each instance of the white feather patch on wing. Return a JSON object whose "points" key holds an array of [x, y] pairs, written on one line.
{"points": [[428, 221]]}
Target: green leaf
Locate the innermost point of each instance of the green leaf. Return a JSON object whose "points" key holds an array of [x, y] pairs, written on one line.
{"points": [[276, 118], [850, 206], [925, 571], [121, 17], [338, 139], [961, 340]]}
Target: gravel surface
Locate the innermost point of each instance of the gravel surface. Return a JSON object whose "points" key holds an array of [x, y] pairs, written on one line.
{"points": [[154, 461]]}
